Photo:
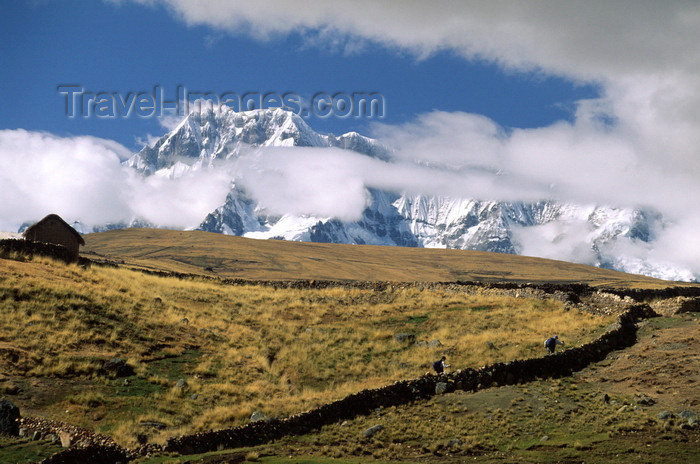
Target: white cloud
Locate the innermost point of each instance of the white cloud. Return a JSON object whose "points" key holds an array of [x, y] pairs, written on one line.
{"points": [[451, 140], [149, 140], [306, 181], [579, 38], [565, 241], [73, 177], [330, 182], [171, 119], [180, 202], [679, 245], [82, 179]]}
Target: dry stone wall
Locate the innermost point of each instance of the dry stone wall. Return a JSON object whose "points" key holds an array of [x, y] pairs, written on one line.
{"points": [[90, 454], [29, 248]]}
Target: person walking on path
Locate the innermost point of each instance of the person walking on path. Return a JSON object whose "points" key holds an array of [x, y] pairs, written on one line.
{"points": [[551, 343], [440, 365]]}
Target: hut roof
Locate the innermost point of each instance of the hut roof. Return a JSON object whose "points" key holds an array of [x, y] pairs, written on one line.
{"points": [[55, 217]]}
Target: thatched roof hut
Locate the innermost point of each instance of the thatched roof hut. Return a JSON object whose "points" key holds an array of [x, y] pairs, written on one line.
{"points": [[52, 229]]}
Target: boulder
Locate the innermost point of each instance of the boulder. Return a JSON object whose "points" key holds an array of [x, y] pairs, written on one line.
{"points": [[66, 439], [117, 367], [257, 416], [613, 327], [440, 388], [181, 386], [372, 431], [691, 417], [645, 400], [153, 425], [9, 414], [11, 389], [405, 337]]}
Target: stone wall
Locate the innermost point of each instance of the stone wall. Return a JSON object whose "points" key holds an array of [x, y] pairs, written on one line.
{"points": [[28, 248], [90, 454], [679, 304]]}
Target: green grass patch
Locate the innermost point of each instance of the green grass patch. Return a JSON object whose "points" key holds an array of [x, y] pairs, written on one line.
{"points": [[138, 387], [174, 367], [476, 309], [90, 399], [23, 450], [578, 440], [657, 323], [322, 460], [417, 319], [249, 457]]}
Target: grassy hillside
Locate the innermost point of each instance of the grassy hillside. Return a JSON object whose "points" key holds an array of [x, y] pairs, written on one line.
{"points": [[198, 252], [240, 348]]}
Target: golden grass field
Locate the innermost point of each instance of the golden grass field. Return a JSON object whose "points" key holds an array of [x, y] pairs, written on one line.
{"points": [[205, 253]]}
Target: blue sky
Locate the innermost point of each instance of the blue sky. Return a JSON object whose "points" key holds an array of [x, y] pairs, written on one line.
{"points": [[129, 47], [592, 102]]}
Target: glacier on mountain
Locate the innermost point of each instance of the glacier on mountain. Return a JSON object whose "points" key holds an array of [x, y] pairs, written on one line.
{"points": [[588, 234]]}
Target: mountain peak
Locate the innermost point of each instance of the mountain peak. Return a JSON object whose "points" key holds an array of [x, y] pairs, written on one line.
{"points": [[203, 136]]}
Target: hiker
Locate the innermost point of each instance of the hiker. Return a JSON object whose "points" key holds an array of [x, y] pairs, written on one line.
{"points": [[440, 365], [552, 342]]}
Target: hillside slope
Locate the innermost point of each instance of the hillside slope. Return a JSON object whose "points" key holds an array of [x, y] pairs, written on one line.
{"points": [[199, 252]]}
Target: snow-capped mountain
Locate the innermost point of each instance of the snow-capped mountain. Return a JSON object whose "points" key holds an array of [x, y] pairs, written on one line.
{"points": [[202, 138], [587, 234]]}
